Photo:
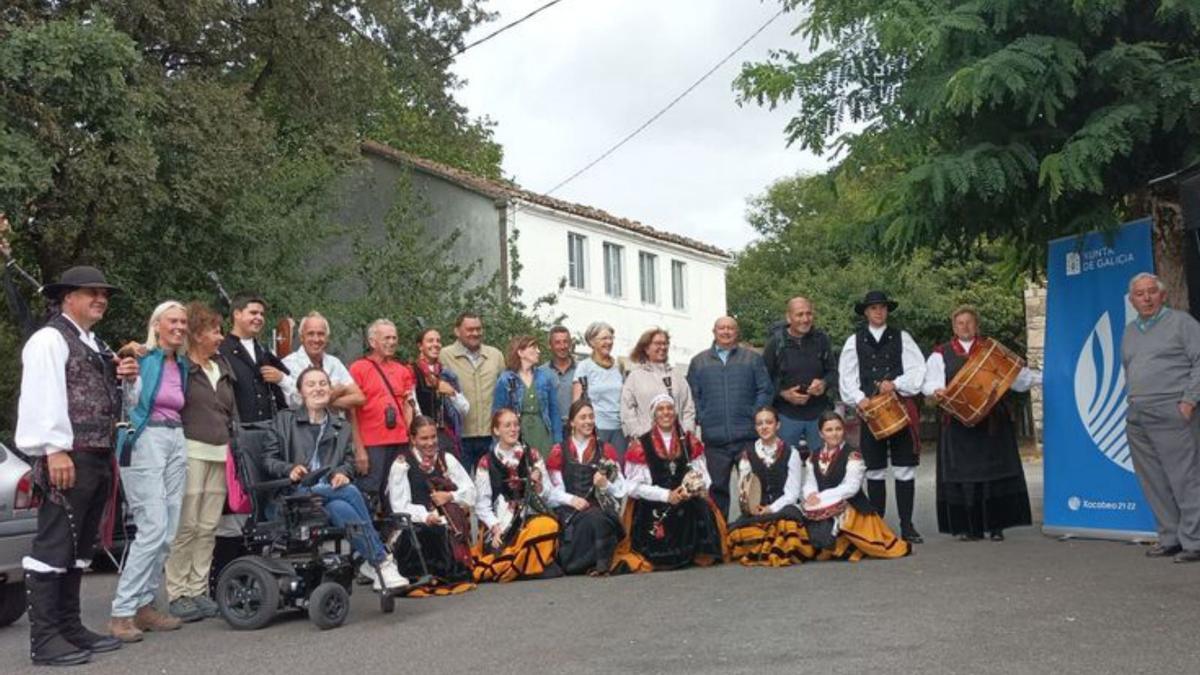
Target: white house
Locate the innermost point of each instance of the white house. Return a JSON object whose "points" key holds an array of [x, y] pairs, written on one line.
{"points": [[619, 271]]}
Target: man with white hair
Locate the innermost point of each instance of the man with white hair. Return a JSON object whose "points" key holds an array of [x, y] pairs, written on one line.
{"points": [[314, 339], [1161, 355], [381, 423]]}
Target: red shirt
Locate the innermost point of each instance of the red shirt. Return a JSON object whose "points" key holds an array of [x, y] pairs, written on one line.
{"points": [[371, 421]]}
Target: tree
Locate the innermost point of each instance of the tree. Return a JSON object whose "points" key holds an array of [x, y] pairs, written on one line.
{"points": [[1009, 120], [813, 246]]}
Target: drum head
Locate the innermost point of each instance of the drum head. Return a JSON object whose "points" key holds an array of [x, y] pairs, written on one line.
{"points": [[751, 493]]}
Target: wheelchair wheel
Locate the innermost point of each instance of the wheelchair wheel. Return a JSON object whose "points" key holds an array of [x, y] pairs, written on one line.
{"points": [[329, 605], [247, 595], [387, 602]]}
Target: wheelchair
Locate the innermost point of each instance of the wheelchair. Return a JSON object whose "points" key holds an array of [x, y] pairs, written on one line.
{"points": [[297, 560]]}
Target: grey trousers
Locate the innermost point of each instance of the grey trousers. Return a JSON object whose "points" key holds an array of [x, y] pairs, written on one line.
{"points": [[1166, 456]]}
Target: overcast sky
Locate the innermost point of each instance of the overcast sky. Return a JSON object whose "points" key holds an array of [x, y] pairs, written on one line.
{"points": [[573, 80]]}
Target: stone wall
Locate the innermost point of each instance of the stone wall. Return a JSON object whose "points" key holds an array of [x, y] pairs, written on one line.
{"points": [[1035, 337]]}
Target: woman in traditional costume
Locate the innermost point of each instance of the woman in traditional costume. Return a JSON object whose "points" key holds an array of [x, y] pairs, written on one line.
{"points": [[673, 521], [980, 481], [430, 485], [770, 532], [586, 490], [518, 534], [841, 522]]}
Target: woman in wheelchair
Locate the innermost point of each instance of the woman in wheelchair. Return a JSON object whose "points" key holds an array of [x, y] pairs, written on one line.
{"points": [[311, 438]]}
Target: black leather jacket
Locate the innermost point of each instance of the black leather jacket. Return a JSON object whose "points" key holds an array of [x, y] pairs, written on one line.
{"points": [[291, 443]]}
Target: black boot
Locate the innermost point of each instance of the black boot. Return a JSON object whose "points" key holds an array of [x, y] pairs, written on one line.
{"points": [[905, 497], [877, 494], [47, 646], [72, 627]]}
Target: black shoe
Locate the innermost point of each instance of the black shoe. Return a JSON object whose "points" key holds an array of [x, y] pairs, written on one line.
{"points": [[909, 533], [1187, 556], [72, 627], [47, 646], [1160, 551], [996, 535]]}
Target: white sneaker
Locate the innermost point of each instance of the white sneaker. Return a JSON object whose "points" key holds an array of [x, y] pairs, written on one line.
{"points": [[392, 578], [366, 570]]}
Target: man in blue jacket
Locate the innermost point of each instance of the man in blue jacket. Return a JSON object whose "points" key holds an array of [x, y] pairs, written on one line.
{"points": [[728, 384]]}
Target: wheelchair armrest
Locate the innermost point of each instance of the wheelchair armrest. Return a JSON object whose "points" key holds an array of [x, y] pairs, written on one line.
{"points": [[272, 484]]}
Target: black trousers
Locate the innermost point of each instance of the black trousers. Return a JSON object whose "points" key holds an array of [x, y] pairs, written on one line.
{"points": [[69, 520], [720, 460], [374, 484]]}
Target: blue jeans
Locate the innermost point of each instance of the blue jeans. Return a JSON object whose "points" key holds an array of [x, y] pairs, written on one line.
{"points": [[474, 447], [346, 506], [792, 430], [615, 438], [154, 482]]}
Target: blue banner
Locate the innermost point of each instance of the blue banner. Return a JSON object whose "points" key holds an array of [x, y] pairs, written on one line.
{"points": [[1090, 487]]}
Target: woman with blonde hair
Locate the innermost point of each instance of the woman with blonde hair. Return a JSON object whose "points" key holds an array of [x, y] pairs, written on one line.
{"points": [[153, 461], [598, 378]]}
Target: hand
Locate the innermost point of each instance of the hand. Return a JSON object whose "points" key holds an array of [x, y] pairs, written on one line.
{"points": [[433, 519], [271, 374], [127, 368], [792, 395], [802, 399], [494, 534], [362, 463], [812, 501], [1187, 409], [759, 510], [298, 472], [677, 495], [600, 481], [817, 388], [445, 389], [939, 394], [61, 469], [339, 479], [887, 386], [441, 498]]}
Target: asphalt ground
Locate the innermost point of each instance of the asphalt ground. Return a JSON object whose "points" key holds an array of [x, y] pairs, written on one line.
{"points": [[1031, 604]]}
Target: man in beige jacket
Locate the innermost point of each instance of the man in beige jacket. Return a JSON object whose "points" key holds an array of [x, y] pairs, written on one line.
{"points": [[477, 366]]}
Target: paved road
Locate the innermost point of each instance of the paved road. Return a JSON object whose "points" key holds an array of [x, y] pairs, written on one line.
{"points": [[1029, 605]]}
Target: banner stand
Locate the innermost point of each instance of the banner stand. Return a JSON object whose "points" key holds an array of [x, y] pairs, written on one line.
{"points": [[1090, 489]]}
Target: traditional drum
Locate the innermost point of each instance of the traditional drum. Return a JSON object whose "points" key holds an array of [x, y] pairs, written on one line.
{"points": [[981, 382], [885, 415], [749, 492]]}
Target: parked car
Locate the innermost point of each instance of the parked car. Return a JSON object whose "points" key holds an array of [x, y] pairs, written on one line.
{"points": [[18, 524]]}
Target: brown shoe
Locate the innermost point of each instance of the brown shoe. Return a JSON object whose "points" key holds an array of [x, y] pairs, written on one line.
{"points": [[123, 629], [150, 619]]}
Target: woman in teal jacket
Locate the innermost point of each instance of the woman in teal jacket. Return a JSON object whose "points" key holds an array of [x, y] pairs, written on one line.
{"points": [[153, 472]]}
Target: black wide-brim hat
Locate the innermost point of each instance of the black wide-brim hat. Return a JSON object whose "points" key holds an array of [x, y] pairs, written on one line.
{"points": [[82, 276], [875, 298]]}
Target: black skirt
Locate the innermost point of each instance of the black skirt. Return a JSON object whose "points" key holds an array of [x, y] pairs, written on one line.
{"points": [[588, 539], [670, 537]]}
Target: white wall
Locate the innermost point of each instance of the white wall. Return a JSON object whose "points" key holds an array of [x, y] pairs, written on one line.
{"points": [[542, 247]]}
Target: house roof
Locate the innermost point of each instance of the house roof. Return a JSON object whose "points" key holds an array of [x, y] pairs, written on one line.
{"points": [[504, 190]]}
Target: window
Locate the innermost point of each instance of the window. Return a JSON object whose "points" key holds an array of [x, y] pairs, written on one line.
{"points": [[678, 272], [648, 268], [614, 270], [576, 260]]}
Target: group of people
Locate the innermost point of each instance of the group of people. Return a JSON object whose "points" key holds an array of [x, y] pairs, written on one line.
{"points": [[506, 468]]}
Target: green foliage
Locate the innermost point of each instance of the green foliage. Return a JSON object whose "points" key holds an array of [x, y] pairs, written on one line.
{"points": [[162, 140], [815, 246], [994, 120]]}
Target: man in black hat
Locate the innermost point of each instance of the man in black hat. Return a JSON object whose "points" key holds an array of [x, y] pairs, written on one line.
{"points": [[878, 359], [69, 407]]}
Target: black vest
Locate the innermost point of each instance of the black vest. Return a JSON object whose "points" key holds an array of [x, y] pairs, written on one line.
{"points": [[498, 477], [252, 393], [835, 474], [878, 361], [661, 472], [577, 476], [93, 397], [772, 478], [419, 482]]}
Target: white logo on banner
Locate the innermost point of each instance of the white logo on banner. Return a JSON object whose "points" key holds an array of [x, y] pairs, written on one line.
{"points": [[1074, 264], [1100, 393], [1074, 503]]}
